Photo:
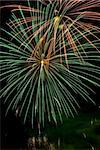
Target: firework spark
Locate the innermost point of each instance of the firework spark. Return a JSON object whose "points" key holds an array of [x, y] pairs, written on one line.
{"points": [[46, 61]]}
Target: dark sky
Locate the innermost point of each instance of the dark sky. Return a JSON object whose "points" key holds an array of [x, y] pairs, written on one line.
{"points": [[12, 130]]}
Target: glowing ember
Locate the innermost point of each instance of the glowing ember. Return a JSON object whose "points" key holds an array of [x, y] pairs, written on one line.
{"points": [[42, 62]]}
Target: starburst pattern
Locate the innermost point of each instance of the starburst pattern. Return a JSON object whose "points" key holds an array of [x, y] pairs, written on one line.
{"points": [[50, 58]]}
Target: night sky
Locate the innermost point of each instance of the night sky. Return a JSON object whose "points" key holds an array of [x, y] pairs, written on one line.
{"points": [[13, 133]]}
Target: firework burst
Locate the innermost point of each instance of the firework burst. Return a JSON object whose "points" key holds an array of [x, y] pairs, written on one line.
{"points": [[46, 61]]}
